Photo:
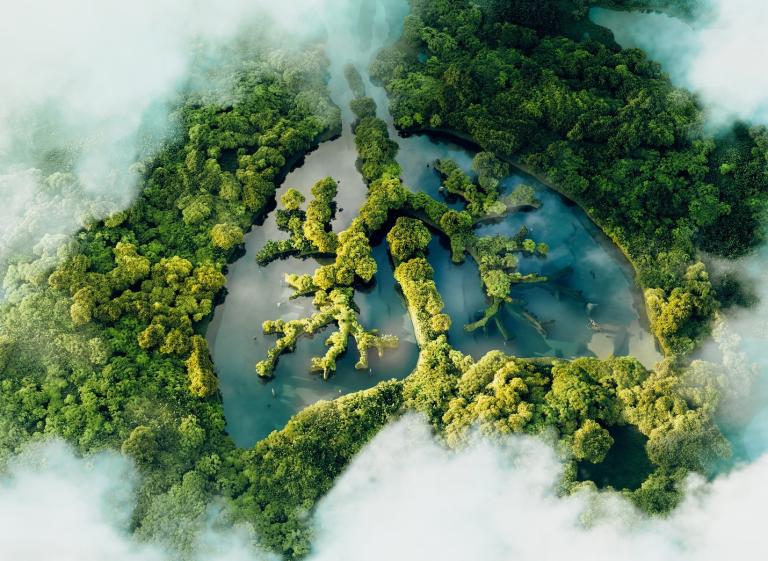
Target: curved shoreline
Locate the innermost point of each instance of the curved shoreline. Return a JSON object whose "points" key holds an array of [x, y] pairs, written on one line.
{"points": [[208, 327], [626, 262]]}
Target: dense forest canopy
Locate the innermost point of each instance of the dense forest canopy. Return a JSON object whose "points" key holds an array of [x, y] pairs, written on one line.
{"points": [[107, 349], [605, 127]]}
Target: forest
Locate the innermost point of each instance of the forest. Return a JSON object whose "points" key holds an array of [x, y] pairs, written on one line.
{"points": [[603, 126], [107, 349], [120, 321]]}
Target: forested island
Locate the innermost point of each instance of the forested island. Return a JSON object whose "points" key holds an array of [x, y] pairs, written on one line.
{"points": [[104, 343]]}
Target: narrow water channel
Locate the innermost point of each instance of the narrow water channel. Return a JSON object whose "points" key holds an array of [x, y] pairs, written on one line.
{"points": [[254, 407], [590, 307], [590, 310]]}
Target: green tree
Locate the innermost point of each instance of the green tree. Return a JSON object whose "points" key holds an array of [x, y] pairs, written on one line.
{"points": [[292, 200], [226, 236], [141, 445], [407, 238], [202, 380], [591, 442]]}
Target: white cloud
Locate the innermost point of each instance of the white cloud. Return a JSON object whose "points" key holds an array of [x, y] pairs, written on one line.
{"points": [[94, 80], [407, 498], [404, 497], [81, 73], [719, 57], [54, 506], [89, 79]]}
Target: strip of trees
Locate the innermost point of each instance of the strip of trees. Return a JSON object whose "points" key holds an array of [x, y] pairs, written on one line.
{"points": [[604, 126]]}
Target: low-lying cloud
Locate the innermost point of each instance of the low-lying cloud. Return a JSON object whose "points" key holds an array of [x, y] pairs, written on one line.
{"points": [[406, 497], [55, 506], [87, 88], [718, 56], [740, 339]]}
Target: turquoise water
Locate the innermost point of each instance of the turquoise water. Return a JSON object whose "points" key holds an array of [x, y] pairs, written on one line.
{"points": [[593, 286], [590, 307]]}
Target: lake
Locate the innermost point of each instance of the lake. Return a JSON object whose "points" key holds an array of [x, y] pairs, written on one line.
{"points": [[590, 308]]}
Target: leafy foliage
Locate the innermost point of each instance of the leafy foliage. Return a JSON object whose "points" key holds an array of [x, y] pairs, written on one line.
{"points": [[603, 125], [579, 400], [104, 350]]}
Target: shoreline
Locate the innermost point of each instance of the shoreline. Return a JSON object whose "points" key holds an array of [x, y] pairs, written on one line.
{"points": [[606, 241], [208, 327]]}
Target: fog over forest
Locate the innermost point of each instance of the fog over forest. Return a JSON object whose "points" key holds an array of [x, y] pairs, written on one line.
{"points": [[99, 101]]}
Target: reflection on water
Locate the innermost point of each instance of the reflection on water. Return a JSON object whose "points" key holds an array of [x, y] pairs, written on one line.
{"points": [[590, 307], [589, 310], [626, 465], [253, 407]]}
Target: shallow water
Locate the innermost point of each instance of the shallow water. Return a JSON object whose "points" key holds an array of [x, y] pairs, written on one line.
{"points": [[254, 407], [592, 279]]}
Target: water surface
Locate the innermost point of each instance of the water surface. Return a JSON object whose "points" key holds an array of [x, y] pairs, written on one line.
{"points": [[590, 306], [254, 407], [591, 309]]}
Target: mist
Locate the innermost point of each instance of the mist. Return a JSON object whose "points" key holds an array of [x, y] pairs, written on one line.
{"points": [[54, 505], [717, 55], [57, 506], [738, 348], [406, 497], [88, 89]]}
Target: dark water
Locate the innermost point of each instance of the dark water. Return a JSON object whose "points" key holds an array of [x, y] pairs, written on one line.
{"points": [[254, 408], [626, 464]]}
